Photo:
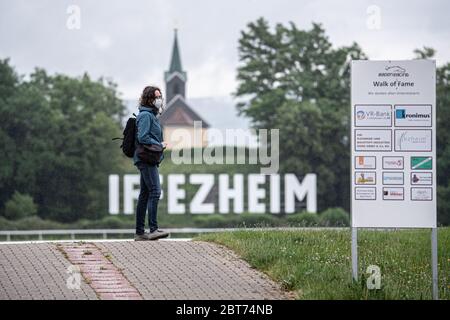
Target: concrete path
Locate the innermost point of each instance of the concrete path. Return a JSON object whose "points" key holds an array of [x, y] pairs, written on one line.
{"points": [[178, 270]]}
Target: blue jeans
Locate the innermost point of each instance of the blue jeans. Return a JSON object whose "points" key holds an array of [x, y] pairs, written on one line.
{"points": [[148, 197]]}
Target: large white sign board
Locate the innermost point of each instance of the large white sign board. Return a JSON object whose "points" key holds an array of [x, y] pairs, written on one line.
{"points": [[393, 143]]}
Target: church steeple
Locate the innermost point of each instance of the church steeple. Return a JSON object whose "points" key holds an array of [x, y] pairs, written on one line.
{"points": [[175, 78], [175, 63]]}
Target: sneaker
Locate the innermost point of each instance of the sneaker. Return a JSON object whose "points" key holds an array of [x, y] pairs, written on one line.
{"points": [[158, 234], [142, 237], [164, 234]]}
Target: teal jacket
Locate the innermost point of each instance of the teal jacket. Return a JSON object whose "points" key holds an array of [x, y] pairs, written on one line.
{"points": [[149, 130]]}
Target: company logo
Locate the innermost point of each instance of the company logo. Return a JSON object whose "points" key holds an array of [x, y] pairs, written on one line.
{"points": [[401, 114], [392, 162], [365, 162], [365, 178], [393, 194], [421, 194], [394, 71], [361, 115], [376, 115], [365, 193], [422, 178], [413, 116], [412, 140], [421, 163], [393, 178], [373, 115], [405, 138]]}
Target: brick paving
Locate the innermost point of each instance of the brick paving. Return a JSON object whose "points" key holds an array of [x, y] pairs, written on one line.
{"points": [[37, 271], [101, 274], [131, 270], [189, 270]]}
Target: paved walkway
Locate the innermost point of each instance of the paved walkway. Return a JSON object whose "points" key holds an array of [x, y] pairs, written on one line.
{"points": [[130, 270]]}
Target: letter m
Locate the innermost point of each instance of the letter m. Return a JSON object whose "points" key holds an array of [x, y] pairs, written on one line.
{"points": [[294, 189]]}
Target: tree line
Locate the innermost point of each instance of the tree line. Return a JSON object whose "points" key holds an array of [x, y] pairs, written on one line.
{"points": [[56, 130], [297, 81]]}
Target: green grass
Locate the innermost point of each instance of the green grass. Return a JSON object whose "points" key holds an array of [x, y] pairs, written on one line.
{"points": [[316, 264]]}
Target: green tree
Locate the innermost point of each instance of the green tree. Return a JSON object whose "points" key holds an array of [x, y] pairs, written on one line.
{"points": [[442, 134], [57, 138], [296, 81], [20, 206]]}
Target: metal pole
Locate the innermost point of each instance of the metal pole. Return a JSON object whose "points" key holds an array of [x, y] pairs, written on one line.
{"points": [[434, 263], [355, 253]]}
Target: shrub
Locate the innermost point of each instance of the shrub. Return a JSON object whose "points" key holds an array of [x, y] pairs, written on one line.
{"points": [[213, 221], [20, 206], [334, 217], [258, 220], [36, 223], [6, 224], [304, 219], [116, 222], [108, 222]]}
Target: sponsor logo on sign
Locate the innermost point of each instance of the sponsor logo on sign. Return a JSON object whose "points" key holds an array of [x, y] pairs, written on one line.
{"points": [[373, 140], [394, 71], [393, 178], [365, 162], [393, 194], [360, 115], [422, 178], [413, 116], [365, 177], [373, 116], [421, 194], [393, 163], [421, 163], [365, 193], [413, 140]]}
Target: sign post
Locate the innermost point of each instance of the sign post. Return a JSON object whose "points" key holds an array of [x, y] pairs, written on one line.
{"points": [[393, 149]]}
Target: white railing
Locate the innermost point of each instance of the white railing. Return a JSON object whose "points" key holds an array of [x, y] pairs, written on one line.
{"points": [[105, 232]]}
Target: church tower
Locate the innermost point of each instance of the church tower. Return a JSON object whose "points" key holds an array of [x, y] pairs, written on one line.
{"points": [[175, 78], [178, 113]]}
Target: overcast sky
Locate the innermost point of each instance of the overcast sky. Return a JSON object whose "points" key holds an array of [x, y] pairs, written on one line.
{"points": [[131, 41]]}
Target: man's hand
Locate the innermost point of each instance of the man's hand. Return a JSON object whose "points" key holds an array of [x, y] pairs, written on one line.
{"points": [[164, 144]]}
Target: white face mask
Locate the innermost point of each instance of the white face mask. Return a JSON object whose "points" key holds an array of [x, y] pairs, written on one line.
{"points": [[159, 104]]}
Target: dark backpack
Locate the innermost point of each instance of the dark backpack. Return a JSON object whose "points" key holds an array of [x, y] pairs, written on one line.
{"points": [[129, 133]]}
